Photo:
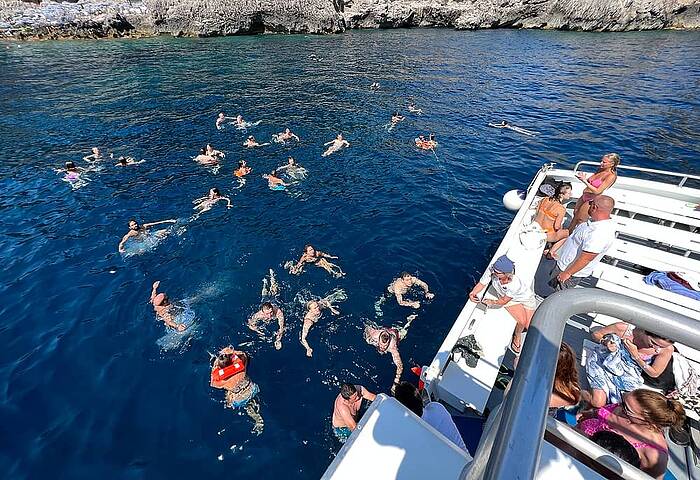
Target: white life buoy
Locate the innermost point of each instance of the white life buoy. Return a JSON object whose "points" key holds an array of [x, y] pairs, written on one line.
{"points": [[514, 199]]}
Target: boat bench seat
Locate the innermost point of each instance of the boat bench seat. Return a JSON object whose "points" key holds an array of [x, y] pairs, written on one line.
{"points": [[628, 283], [674, 237], [650, 257]]}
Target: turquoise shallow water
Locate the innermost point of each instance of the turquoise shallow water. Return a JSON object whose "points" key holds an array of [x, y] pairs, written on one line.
{"points": [[90, 387]]}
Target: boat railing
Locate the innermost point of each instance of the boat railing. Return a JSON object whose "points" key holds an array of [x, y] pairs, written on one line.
{"points": [[512, 448], [684, 177]]}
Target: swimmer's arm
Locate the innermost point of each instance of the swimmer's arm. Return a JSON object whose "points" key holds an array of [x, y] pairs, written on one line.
{"points": [[124, 239], [168, 320], [396, 357], [253, 324], [89, 158], [348, 419], [148, 225], [421, 284], [328, 255], [346, 143], [295, 136], [228, 201], [154, 291], [280, 322], [304, 332], [366, 394], [401, 301], [328, 143]]}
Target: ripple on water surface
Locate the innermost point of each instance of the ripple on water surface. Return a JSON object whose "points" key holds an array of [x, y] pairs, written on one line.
{"points": [[91, 385]]}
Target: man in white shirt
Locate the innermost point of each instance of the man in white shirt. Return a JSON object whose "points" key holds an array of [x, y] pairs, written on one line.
{"points": [[580, 253]]}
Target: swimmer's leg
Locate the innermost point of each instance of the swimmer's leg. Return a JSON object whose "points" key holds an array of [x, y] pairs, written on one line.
{"points": [[378, 306], [403, 331], [253, 411], [265, 290], [274, 286]]}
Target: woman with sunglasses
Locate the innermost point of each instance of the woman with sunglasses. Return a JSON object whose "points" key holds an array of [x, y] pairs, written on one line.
{"points": [[640, 418], [643, 356]]}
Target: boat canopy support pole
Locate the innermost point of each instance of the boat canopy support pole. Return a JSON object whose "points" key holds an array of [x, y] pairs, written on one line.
{"points": [[512, 449]]}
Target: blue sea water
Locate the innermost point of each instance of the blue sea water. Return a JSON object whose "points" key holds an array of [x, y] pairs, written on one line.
{"points": [[92, 386]]}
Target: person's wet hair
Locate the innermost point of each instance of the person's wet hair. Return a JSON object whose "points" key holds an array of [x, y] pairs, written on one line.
{"points": [[70, 165], [618, 446], [384, 337], [404, 275], [347, 390], [409, 396], [215, 191], [224, 360], [307, 246], [202, 151], [266, 306]]}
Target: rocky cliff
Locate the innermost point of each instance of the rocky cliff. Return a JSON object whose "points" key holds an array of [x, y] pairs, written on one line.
{"points": [[115, 18]]}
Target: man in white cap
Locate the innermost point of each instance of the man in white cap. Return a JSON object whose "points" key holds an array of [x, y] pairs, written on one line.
{"points": [[512, 293]]}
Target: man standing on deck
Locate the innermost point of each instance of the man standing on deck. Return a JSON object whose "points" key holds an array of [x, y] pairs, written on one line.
{"points": [[346, 408], [581, 252]]}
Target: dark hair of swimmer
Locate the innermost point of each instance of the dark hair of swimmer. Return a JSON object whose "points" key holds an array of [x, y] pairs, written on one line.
{"points": [[307, 246], [202, 151], [404, 275], [347, 390], [122, 160], [224, 360], [70, 165], [134, 221], [273, 173], [396, 114], [291, 160], [241, 163], [266, 306], [215, 191]]}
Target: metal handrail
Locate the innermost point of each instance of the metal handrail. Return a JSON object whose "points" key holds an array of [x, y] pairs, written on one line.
{"points": [[684, 176], [512, 450]]}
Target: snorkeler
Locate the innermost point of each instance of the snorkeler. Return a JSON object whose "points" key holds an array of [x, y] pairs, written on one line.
{"points": [[429, 144], [507, 125], [311, 255], [250, 142], [274, 182], [401, 285], [163, 308], [204, 204], [314, 311], [268, 311], [126, 161], [282, 137], [205, 159], [136, 230], [243, 169], [230, 372], [222, 120], [94, 156], [387, 340], [336, 144]]}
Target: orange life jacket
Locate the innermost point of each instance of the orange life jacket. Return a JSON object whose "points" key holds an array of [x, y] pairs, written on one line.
{"points": [[220, 374]]}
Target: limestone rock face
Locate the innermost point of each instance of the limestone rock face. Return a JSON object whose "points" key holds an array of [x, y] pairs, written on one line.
{"points": [[115, 18]]}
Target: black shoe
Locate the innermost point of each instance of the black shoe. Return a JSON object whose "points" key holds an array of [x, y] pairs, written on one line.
{"points": [[679, 436]]}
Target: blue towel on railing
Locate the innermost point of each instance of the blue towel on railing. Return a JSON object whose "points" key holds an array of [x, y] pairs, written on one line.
{"points": [[661, 280]]}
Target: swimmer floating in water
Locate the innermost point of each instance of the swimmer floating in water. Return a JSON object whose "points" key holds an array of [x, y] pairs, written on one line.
{"points": [[320, 259], [293, 169], [230, 372], [314, 311], [127, 161], [136, 230], [274, 182], [204, 204], [222, 120], [209, 150], [413, 109], [507, 125], [396, 118], [387, 341], [336, 144], [250, 142], [282, 137], [374, 87], [268, 312], [163, 308], [243, 169], [94, 156], [423, 144], [205, 159], [401, 285], [243, 125]]}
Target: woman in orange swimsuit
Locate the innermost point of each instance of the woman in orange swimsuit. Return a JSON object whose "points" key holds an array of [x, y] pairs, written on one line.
{"points": [[596, 184], [551, 213]]}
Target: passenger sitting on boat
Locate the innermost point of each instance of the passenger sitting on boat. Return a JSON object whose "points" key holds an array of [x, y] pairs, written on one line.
{"points": [[576, 257], [618, 446], [243, 169], [400, 286], [566, 391], [512, 293], [318, 258], [266, 314], [434, 413], [387, 340], [136, 230], [163, 308], [346, 409], [230, 372], [626, 358], [551, 212], [640, 418], [596, 184]]}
